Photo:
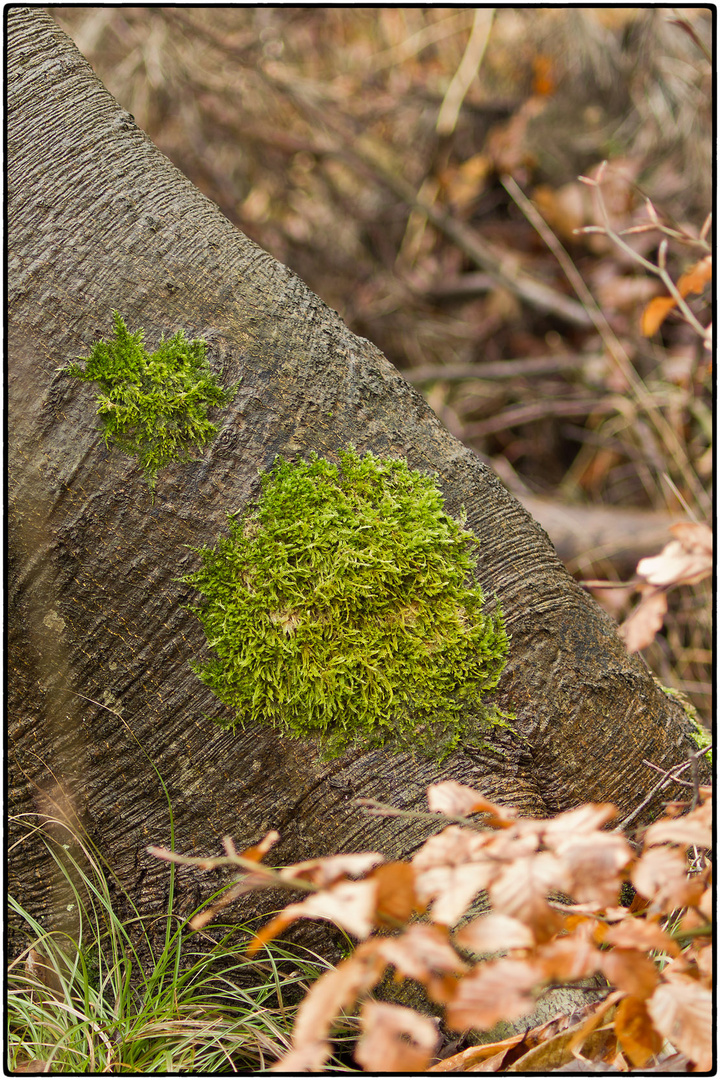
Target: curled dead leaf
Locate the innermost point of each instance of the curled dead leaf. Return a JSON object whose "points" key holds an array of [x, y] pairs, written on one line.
{"points": [[326, 871], [681, 1009], [494, 933], [394, 1039], [660, 875], [692, 828], [420, 952], [350, 905], [629, 970], [641, 626], [685, 560], [450, 797], [636, 1033], [497, 990]]}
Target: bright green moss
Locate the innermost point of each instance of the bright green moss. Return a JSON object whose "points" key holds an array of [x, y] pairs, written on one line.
{"points": [[153, 406], [342, 605]]}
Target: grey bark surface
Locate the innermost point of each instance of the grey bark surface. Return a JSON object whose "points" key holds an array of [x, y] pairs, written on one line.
{"points": [[99, 641]]}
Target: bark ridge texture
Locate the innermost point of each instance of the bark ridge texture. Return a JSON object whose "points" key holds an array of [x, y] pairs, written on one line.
{"points": [[99, 679]]}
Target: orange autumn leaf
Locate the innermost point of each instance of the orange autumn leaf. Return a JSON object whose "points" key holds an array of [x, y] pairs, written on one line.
{"points": [[693, 281], [629, 970], [635, 1032], [660, 875], [396, 899]]}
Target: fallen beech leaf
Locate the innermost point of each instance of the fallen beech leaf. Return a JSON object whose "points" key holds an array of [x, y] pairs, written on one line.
{"points": [[594, 863], [681, 1010], [578, 822], [419, 952], [569, 958], [394, 1039], [697, 277], [683, 561], [450, 797], [521, 888], [469, 1060], [636, 1033], [334, 991], [327, 870], [660, 875], [692, 828], [629, 970], [655, 313], [641, 626], [350, 904], [494, 933], [450, 870], [395, 896], [497, 990], [693, 280], [641, 934]]}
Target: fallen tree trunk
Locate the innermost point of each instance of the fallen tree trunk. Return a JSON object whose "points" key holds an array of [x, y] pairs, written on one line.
{"points": [[100, 689]]}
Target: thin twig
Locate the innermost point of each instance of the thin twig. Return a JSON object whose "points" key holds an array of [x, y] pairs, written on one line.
{"points": [[607, 334]]}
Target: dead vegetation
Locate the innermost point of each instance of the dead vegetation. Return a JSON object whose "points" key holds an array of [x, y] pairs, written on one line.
{"points": [[418, 168], [556, 919]]}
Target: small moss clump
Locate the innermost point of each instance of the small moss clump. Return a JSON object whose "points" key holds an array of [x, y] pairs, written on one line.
{"points": [[153, 406], [342, 605]]}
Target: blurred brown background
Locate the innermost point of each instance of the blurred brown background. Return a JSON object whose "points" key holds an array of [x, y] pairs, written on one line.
{"points": [[395, 158]]}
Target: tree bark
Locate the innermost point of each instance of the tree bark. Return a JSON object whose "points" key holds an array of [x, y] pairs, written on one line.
{"points": [[100, 689]]}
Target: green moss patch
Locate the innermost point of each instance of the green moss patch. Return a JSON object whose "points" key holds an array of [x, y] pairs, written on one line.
{"points": [[153, 406], [343, 605]]}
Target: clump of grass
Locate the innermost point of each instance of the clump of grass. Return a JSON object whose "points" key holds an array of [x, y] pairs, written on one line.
{"points": [[88, 1000]]}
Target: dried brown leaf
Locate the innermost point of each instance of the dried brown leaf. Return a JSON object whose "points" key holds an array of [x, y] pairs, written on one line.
{"points": [[640, 934], [349, 904], [521, 888], [488, 1056], [594, 863], [450, 870], [681, 1010], [257, 851], [450, 797], [568, 958], [396, 900], [641, 626], [581, 821], [419, 952], [308, 1058], [636, 1033], [685, 560], [334, 991], [661, 876], [394, 1039], [327, 870], [693, 828], [495, 933], [655, 313], [497, 990], [629, 970]]}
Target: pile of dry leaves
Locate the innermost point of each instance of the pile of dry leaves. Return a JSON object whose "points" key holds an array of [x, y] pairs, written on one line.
{"points": [[555, 918]]}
